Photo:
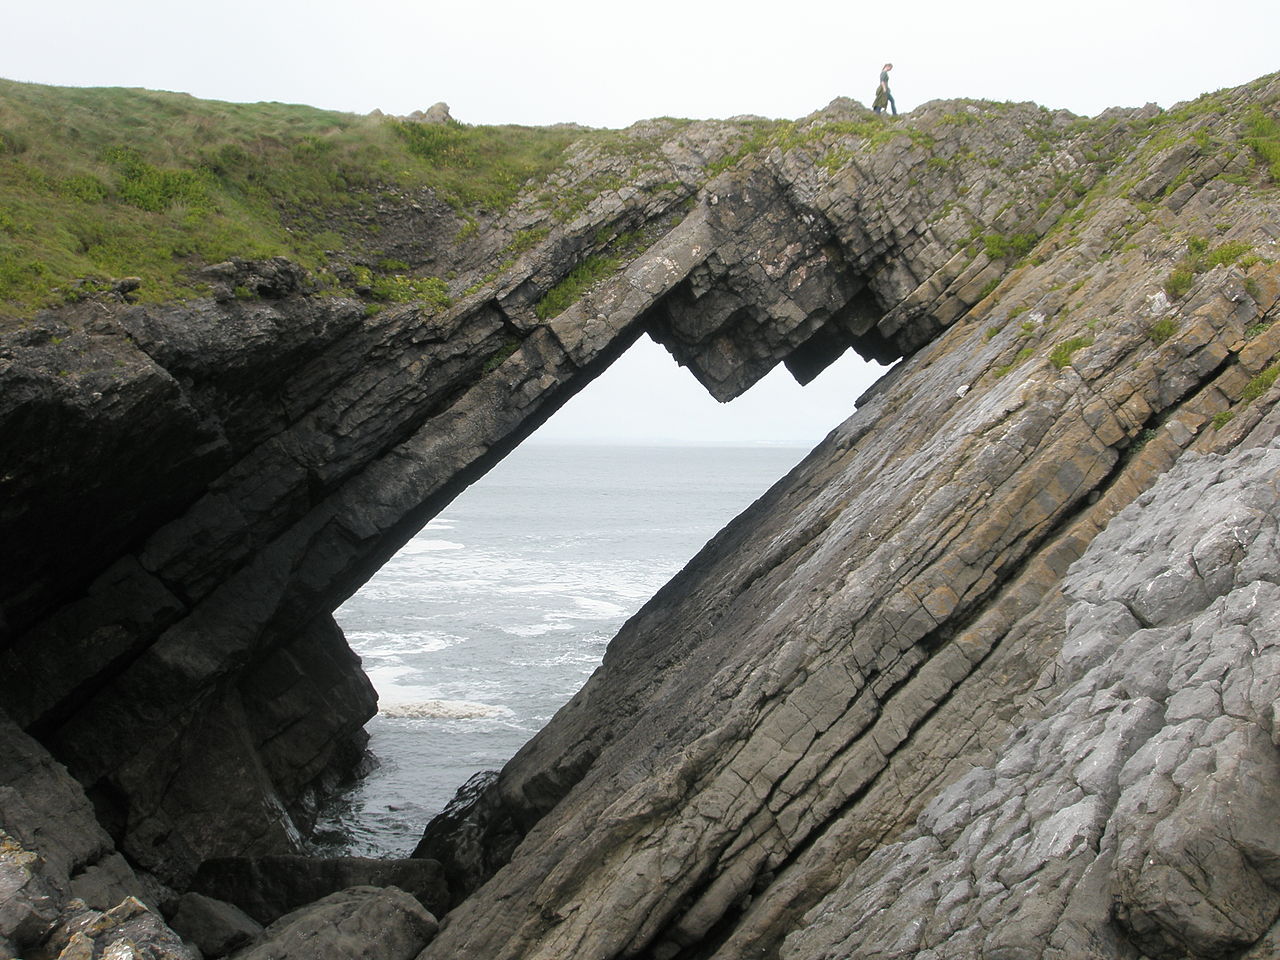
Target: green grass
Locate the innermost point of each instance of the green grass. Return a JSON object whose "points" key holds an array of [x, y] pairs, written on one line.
{"points": [[1060, 356], [483, 167], [589, 272], [1162, 330], [1262, 134], [1260, 384], [1014, 247], [107, 182], [1200, 258], [1179, 282]]}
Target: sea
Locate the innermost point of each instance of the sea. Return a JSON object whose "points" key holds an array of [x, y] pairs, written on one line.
{"points": [[498, 611]]}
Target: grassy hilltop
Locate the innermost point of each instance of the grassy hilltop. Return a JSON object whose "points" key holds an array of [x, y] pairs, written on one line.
{"points": [[102, 183], [107, 182]]}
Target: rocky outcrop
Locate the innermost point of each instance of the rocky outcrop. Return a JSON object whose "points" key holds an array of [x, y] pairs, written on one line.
{"points": [[878, 623], [227, 472], [363, 923], [1138, 804], [224, 473], [267, 888]]}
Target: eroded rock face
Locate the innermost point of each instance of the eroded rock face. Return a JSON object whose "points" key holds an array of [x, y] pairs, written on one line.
{"points": [[363, 923], [230, 470], [1140, 804], [880, 621]]}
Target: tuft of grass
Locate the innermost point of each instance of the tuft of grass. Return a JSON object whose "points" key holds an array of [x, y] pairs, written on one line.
{"points": [[1162, 330], [1013, 247], [1226, 254], [1200, 258], [1179, 282], [1260, 384], [1262, 134], [501, 354], [1222, 418], [1060, 355], [590, 271]]}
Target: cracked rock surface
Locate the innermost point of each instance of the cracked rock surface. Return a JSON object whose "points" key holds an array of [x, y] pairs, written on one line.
{"points": [[1136, 816]]}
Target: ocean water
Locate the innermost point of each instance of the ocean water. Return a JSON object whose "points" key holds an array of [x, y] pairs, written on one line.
{"points": [[490, 619]]}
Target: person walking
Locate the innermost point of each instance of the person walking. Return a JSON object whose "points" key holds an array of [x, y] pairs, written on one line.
{"points": [[883, 95]]}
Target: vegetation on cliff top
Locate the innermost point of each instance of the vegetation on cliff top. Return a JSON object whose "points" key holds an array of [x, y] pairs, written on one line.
{"points": [[99, 184], [103, 183]]}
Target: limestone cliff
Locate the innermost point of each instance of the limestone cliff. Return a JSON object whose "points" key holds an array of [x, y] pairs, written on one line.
{"points": [[799, 725]]}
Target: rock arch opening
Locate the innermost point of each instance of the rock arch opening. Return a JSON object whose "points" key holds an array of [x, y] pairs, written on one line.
{"points": [[493, 616]]}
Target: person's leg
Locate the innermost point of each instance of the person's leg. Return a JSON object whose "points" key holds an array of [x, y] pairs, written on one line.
{"points": [[893, 106]]}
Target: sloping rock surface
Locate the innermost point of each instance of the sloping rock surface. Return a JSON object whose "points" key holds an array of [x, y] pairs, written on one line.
{"points": [[362, 923], [1140, 804], [880, 620]]}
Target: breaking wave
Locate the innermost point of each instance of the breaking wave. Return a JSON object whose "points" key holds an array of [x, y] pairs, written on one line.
{"points": [[443, 710]]}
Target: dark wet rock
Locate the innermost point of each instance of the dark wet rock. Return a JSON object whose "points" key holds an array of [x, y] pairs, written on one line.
{"points": [[217, 928]]}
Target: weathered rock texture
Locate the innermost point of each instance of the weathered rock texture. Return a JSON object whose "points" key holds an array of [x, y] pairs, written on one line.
{"points": [[362, 923], [876, 623], [267, 888], [1140, 802], [223, 474]]}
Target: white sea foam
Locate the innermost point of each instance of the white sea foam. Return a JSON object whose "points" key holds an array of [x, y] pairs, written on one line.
{"points": [[444, 710], [594, 607], [383, 643], [541, 629], [425, 545]]}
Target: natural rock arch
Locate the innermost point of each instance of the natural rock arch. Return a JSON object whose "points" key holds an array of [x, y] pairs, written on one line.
{"points": [[276, 452], [837, 655]]}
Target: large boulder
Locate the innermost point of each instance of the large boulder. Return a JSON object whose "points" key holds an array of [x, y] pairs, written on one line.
{"points": [[362, 923], [266, 888]]}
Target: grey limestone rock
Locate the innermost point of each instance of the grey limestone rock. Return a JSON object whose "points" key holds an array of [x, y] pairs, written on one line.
{"points": [[216, 927], [362, 923], [1140, 808]]}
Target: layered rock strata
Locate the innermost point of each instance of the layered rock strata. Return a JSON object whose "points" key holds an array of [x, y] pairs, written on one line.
{"points": [[878, 622], [1136, 807], [253, 462], [226, 472]]}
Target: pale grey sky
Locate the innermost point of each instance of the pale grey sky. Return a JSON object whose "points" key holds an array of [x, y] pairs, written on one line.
{"points": [[610, 65]]}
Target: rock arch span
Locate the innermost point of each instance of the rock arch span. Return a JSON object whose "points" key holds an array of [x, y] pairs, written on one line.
{"points": [[905, 576]]}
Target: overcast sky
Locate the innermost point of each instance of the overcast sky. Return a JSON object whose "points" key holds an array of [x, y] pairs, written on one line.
{"points": [[608, 64]]}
